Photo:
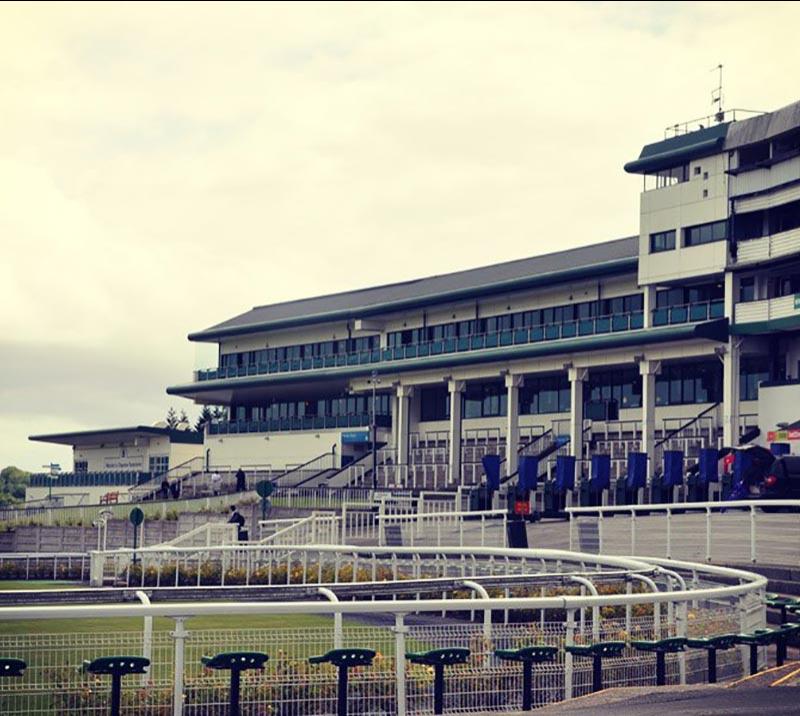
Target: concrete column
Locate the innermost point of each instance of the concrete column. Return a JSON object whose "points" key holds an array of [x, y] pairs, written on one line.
{"points": [[649, 369], [404, 393], [577, 377], [456, 388], [649, 305], [730, 392], [731, 295], [395, 421], [513, 384]]}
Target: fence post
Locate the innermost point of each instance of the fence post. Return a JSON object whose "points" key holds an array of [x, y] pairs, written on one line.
{"points": [[633, 531], [400, 631], [569, 640], [147, 635], [753, 534], [179, 635], [708, 534], [669, 533]]}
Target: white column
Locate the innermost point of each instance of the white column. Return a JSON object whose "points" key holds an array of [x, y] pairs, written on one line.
{"points": [[513, 384], [577, 377], [649, 369], [731, 295], [649, 305], [395, 421], [404, 393], [456, 388], [730, 393]]}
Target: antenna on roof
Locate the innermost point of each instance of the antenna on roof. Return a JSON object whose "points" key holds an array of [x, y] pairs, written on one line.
{"points": [[716, 97]]}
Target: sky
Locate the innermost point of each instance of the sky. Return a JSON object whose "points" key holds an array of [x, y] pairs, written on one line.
{"points": [[164, 167]]}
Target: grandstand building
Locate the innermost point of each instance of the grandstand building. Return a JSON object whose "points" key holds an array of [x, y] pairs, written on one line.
{"points": [[611, 347], [637, 344]]}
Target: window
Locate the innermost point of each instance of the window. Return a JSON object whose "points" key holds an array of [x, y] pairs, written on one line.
{"points": [[434, 404], [689, 383], [545, 395], [675, 175], [697, 170], [754, 370], [747, 289], [750, 225], [753, 154], [159, 464], [705, 233], [81, 467]]}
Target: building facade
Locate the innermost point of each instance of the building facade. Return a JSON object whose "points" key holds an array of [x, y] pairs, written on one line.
{"points": [[638, 344]]}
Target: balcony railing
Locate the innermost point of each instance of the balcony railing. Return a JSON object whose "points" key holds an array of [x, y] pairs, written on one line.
{"points": [[90, 479], [689, 313], [769, 309], [535, 334], [310, 422]]}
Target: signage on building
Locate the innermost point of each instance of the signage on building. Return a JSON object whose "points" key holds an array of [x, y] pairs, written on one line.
{"points": [[123, 463], [778, 436], [355, 436]]}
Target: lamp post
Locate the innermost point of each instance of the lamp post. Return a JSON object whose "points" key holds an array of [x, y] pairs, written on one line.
{"points": [[374, 380], [54, 469]]}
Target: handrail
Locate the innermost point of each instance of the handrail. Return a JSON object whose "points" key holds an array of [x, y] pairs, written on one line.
{"points": [[691, 422], [303, 466], [686, 506]]}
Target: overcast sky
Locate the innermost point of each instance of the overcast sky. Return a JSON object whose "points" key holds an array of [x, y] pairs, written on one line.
{"points": [[165, 167]]}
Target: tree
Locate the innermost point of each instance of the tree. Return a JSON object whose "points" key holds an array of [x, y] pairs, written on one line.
{"points": [[13, 482], [184, 418], [172, 418], [206, 416]]}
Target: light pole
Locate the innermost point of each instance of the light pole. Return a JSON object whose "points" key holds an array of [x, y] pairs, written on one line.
{"points": [[374, 380], [54, 469]]}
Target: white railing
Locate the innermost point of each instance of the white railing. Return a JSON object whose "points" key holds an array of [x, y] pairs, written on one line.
{"points": [[317, 528], [482, 529], [207, 535], [679, 599], [740, 532], [72, 566]]}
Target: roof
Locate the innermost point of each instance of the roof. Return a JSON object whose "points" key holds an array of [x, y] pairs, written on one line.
{"points": [[92, 437], [596, 260], [679, 150], [765, 126]]}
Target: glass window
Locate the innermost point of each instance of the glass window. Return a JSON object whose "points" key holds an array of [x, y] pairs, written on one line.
{"points": [[662, 241], [747, 289]]}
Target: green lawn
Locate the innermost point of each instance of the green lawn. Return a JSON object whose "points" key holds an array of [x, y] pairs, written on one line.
{"points": [[65, 626]]}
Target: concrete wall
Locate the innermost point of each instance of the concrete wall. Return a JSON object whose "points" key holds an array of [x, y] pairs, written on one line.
{"points": [[676, 207], [275, 449]]}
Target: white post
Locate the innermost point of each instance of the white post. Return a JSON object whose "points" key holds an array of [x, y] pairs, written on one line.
{"points": [[753, 556], [513, 384], [456, 388], [400, 631], [487, 613], [147, 636], [404, 393], [179, 635], [649, 305], [569, 640], [730, 393], [577, 377], [649, 369], [338, 633]]}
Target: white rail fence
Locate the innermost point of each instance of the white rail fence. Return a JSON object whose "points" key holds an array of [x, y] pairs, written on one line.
{"points": [[735, 532], [683, 599]]}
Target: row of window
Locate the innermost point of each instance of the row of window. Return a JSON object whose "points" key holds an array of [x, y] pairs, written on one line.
{"points": [[685, 295], [679, 384], [766, 222], [513, 321], [299, 352], [692, 236], [326, 407]]}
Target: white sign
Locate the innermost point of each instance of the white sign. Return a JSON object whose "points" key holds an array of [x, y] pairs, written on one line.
{"points": [[123, 463]]}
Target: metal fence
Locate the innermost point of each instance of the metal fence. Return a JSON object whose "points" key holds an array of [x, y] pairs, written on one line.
{"points": [[177, 683], [736, 532]]}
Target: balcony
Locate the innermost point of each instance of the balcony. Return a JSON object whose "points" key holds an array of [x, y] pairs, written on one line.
{"points": [[308, 422], [769, 247], [536, 334], [689, 313], [785, 309]]}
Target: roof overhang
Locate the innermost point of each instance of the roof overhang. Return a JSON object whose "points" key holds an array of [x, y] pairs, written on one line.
{"points": [[678, 150], [226, 390], [94, 437], [419, 301], [775, 325]]}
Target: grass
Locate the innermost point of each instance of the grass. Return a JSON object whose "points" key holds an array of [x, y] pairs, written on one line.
{"points": [[75, 626]]}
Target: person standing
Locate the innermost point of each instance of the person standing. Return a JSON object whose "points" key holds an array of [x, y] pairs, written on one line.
{"points": [[237, 519], [241, 481], [216, 481]]}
